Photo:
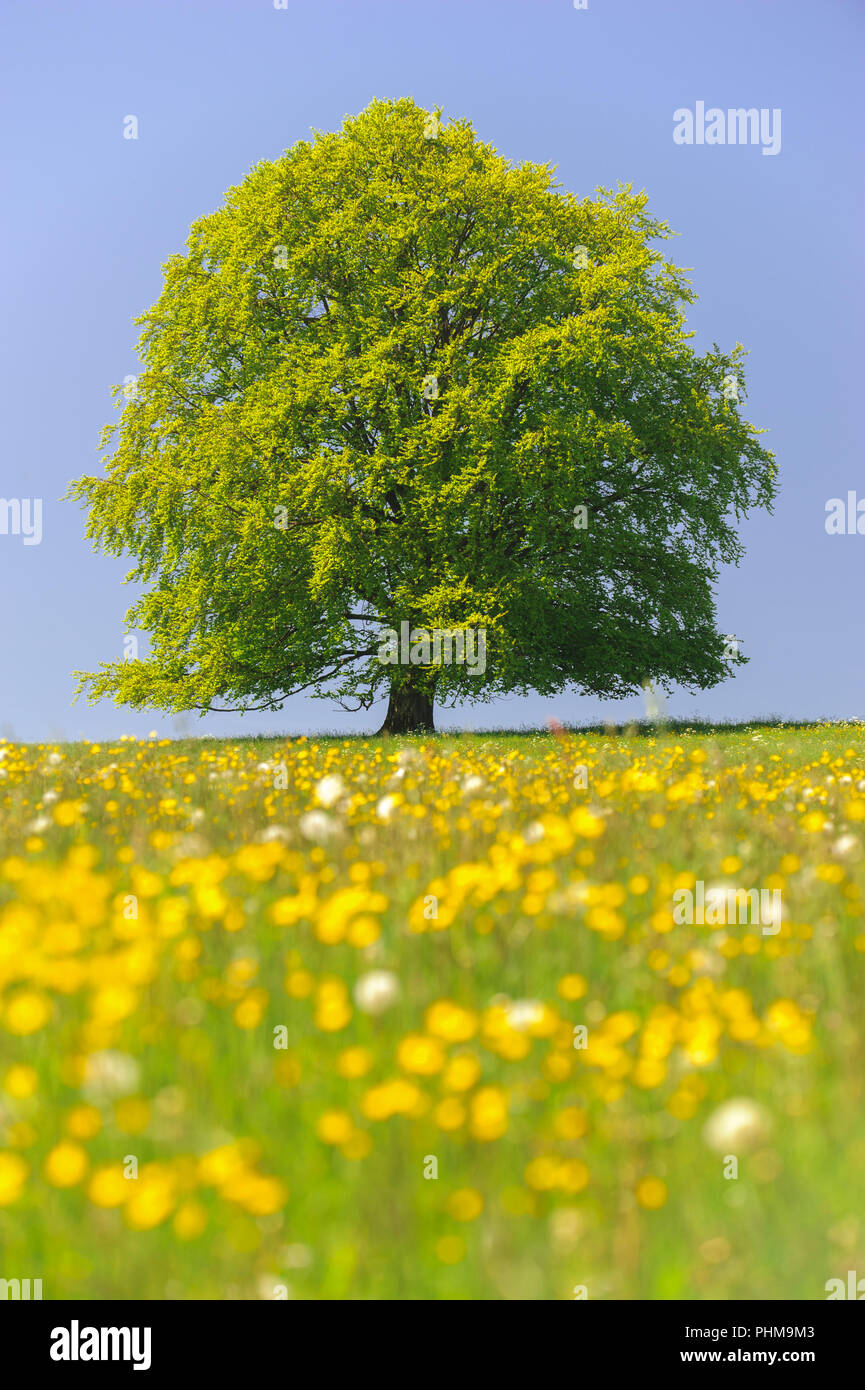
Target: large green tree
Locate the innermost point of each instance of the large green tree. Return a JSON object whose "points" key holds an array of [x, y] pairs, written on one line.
{"points": [[380, 388]]}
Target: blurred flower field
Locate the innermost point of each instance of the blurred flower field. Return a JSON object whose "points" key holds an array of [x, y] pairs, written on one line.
{"points": [[322, 995]]}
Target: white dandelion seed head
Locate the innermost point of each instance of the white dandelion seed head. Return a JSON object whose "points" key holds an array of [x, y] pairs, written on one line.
{"points": [[737, 1126], [473, 784], [109, 1074], [319, 827], [376, 991], [329, 790], [522, 1013]]}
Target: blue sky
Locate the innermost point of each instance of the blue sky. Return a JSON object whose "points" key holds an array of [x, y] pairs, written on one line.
{"points": [[774, 243]]}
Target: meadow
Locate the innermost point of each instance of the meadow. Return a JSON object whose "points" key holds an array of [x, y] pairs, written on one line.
{"points": [[295, 1018]]}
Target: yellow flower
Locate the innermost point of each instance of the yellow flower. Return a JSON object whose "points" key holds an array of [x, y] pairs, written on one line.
{"points": [[332, 1008], [450, 1021], [358, 1146], [151, 1201], [396, 1097], [571, 1123], [220, 1165], [66, 813], [108, 1187], [132, 1116], [461, 1072], [466, 1204], [190, 1220], [450, 1249], [83, 1122], [585, 824], [13, 1174], [542, 1173], [66, 1164], [250, 1010], [573, 1175], [651, 1193], [572, 987], [489, 1114], [830, 873], [27, 1013], [264, 1195], [649, 1073], [449, 1114], [424, 1056], [299, 984], [287, 1070], [556, 1066], [113, 1003], [20, 1081], [363, 931], [335, 1127], [354, 1062]]}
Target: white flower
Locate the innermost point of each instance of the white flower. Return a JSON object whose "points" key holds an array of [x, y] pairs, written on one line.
{"points": [[274, 832], [109, 1074], [533, 833], [55, 759], [49, 798], [473, 784], [376, 991], [386, 807], [319, 827], [189, 846], [846, 845], [39, 825], [523, 1013], [329, 790], [737, 1126]]}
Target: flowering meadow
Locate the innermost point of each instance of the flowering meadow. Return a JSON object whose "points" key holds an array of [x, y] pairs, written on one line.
{"points": [[374, 1018]]}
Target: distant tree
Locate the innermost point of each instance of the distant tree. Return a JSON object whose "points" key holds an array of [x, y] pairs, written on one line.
{"points": [[397, 380]]}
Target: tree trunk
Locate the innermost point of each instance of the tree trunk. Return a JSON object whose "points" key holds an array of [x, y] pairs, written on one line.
{"points": [[409, 711]]}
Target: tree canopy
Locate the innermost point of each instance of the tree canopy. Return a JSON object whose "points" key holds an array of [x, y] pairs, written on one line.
{"points": [[394, 380]]}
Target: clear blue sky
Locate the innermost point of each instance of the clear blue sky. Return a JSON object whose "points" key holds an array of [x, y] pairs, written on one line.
{"points": [[774, 243]]}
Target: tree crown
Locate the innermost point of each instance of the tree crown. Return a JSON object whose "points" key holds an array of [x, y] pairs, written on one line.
{"points": [[379, 387]]}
